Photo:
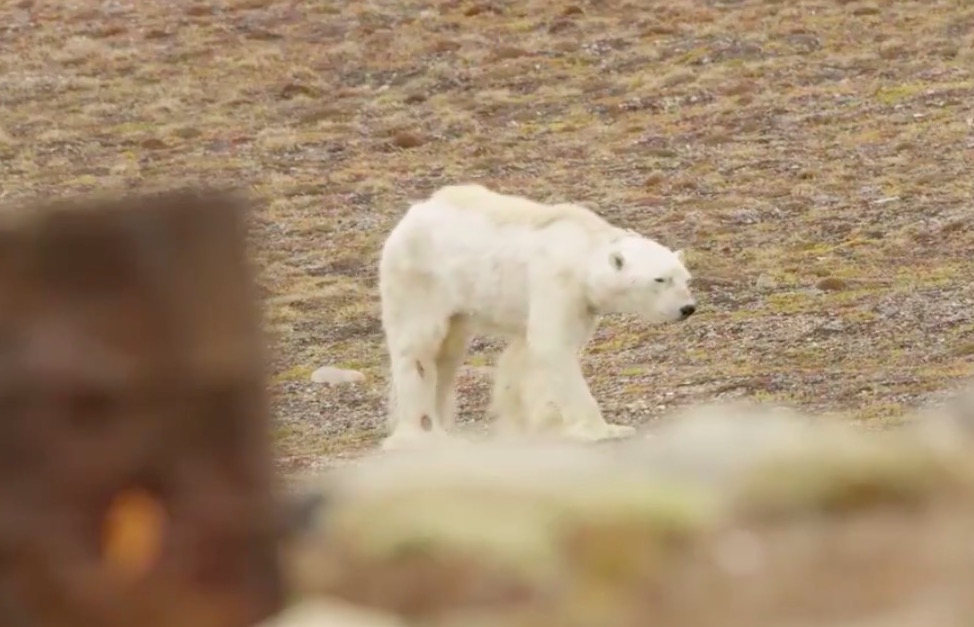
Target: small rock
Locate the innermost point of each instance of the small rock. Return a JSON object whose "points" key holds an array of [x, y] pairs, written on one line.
{"points": [[445, 45], [415, 98], [405, 139], [487, 7], [655, 179], [832, 284], [292, 90], [572, 9], [199, 10], [330, 375]]}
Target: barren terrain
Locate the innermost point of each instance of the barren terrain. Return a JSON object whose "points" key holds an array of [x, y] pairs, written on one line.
{"points": [[813, 156]]}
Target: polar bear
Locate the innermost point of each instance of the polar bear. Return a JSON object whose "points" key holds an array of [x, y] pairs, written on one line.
{"points": [[471, 260]]}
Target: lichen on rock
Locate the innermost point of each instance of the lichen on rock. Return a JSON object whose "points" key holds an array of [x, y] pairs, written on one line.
{"points": [[763, 512]]}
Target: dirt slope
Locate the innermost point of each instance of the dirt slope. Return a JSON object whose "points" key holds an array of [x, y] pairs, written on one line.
{"points": [[813, 156]]}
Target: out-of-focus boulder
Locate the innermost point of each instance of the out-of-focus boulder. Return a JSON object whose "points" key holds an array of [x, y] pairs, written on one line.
{"points": [[728, 515]]}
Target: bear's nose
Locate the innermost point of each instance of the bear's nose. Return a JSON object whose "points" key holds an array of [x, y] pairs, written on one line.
{"points": [[687, 310]]}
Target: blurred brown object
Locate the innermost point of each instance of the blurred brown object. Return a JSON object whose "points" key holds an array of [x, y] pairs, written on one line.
{"points": [[135, 464]]}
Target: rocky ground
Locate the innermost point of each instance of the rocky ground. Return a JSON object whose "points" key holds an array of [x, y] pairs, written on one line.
{"points": [[813, 156]]}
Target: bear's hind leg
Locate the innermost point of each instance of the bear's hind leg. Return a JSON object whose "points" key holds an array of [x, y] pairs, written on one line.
{"points": [[450, 357], [413, 349]]}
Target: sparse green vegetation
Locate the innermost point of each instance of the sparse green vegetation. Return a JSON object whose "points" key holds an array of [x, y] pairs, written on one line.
{"points": [[784, 147]]}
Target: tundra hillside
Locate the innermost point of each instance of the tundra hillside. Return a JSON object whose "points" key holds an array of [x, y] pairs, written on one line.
{"points": [[814, 157]]}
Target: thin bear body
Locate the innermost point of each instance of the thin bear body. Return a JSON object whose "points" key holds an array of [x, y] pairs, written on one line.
{"points": [[469, 260]]}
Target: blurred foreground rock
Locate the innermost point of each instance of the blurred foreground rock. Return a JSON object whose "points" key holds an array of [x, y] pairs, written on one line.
{"points": [[135, 464], [728, 516]]}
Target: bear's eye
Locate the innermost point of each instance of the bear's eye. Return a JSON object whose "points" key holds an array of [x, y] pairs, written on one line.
{"points": [[661, 280]]}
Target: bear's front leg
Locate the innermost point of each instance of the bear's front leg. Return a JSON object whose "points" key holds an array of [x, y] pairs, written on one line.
{"points": [[556, 392], [562, 400]]}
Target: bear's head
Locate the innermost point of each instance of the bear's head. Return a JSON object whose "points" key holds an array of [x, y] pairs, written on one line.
{"points": [[636, 275]]}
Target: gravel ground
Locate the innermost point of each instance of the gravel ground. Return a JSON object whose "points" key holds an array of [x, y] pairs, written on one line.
{"points": [[813, 157]]}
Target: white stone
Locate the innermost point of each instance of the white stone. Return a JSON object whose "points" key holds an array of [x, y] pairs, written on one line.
{"points": [[330, 375]]}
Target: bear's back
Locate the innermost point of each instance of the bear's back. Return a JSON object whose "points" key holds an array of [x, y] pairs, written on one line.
{"points": [[512, 210]]}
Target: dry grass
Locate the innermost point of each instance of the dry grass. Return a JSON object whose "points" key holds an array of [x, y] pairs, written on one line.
{"points": [[814, 156]]}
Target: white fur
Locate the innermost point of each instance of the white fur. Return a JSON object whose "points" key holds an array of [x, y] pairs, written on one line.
{"points": [[470, 260]]}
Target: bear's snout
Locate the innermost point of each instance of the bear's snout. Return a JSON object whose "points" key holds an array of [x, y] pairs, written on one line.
{"points": [[686, 311]]}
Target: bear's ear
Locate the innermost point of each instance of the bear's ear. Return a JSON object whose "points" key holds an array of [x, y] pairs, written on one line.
{"points": [[681, 256], [617, 260]]}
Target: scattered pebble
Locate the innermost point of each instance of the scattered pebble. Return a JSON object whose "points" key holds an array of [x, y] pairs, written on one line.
{"points": [[654, 180], [406, 139], [446, 45], [486, 7], [292, 90], [330, 375], [832, 284]]}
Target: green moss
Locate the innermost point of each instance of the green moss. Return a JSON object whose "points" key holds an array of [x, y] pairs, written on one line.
{"points": [[524, 532], [789, 302], [880, 411], [943, 274], [632, 371], [294, 373], [286, 432], [852, 474], [897, 93], [616, 341], [965, 349], [507, 530], [361, 365], [762, 396], [478, 360], [957, 370]]}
